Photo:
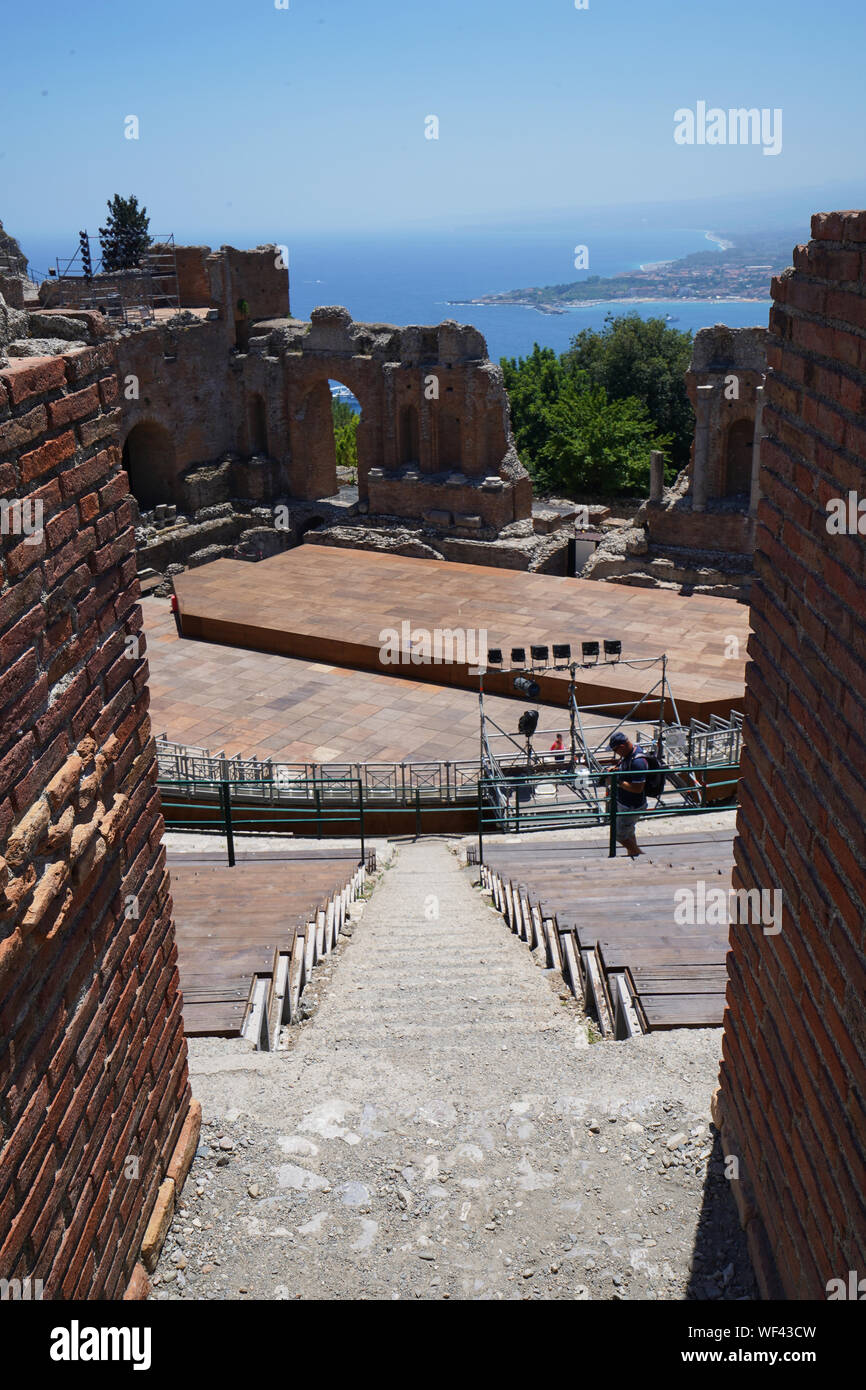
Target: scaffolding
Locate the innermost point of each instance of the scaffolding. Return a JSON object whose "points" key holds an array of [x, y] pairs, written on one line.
{"points": [[557, 787], [126, 297]]}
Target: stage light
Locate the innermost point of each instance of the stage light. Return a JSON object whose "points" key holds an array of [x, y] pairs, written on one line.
{"points": [[562, 652], [612, 650], [494, 656], [540, 655], [528, 723], [527, 687], [84, 247], [518, 656], [589, 651]]}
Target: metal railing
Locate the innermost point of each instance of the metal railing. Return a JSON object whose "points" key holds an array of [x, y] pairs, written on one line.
{"points": [[449, 783]]}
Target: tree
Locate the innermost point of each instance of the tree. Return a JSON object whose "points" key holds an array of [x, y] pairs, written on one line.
{"points": [[571, 434], [647, 360], [125, 237], [345, 433], [597, 445]]}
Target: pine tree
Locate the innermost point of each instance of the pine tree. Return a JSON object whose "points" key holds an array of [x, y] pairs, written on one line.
{"points": [[125, 237]]}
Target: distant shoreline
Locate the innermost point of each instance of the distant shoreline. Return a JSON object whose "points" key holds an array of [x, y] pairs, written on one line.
{"points": [[567, 306]]}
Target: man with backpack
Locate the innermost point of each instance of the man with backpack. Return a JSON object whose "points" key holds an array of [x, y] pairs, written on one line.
{"points": [[629, 793]]}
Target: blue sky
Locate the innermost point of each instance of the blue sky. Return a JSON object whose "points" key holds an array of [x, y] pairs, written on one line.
{"points": [[267, 123]]}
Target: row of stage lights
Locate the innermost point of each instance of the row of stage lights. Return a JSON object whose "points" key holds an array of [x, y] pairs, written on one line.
{"points": [[540, 656]]}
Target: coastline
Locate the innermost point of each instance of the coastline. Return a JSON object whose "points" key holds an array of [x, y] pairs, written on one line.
{"points": [[568, 305]]}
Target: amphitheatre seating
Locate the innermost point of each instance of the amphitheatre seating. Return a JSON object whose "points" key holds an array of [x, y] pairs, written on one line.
{"points": [[249, 936], [609, 925]]}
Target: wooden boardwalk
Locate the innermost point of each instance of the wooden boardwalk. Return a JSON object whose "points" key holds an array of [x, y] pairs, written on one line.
{"points": [[611, 925], [264, 919], [331, 605]]}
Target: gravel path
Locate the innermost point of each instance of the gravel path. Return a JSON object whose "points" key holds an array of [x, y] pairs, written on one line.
{"points": [[442, 1127]]}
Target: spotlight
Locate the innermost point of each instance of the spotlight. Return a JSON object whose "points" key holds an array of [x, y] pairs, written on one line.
{"points": [[518, 656], [612, 651], [528, 723], [540, 655], [531, 689], [494, 656], [562, 653], [84, 247], [589, 651]]}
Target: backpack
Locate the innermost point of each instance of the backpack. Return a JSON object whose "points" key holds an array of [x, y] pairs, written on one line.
{"points": [[655, 778]]}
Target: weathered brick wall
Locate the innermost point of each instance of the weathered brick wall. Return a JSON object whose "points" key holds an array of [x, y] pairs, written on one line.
{"points": [[793, 1093], [93, 1071]]}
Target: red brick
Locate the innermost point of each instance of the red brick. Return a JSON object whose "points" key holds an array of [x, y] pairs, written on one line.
{"points": [[33, 376], [73, 407]]}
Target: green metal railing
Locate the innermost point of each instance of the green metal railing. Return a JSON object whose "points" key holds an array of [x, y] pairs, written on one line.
{"points": [[492, 814], [225, 808]]}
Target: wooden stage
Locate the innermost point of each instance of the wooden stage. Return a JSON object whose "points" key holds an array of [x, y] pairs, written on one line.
{"points": [[233, 925], [610, 924], [331, 605]]}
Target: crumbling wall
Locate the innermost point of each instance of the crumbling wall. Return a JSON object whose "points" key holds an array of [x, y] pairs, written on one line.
{"points": [[93, 1068], [793, 1078]]}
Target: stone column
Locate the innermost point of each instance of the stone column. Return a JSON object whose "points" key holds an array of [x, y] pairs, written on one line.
{"points": [[702, 448], [657, 475], [756, 451]]}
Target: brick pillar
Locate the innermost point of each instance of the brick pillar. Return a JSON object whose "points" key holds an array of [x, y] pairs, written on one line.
{"points": [[793, 1079], [93, 1067]]}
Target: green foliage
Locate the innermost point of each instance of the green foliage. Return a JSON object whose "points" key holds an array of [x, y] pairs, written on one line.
{"points": [[345, 433], [587, 421], [647, 360], [125, 236]]}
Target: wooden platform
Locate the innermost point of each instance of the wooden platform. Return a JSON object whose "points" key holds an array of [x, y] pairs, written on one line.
{"points": [[610, 925], [234, 924], [332, 605]]}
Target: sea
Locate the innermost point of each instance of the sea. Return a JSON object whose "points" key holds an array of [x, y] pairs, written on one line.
{"points": [[407, 277]]}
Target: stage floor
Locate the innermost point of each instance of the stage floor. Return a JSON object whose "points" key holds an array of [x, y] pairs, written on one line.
{"points": [[277, 707], [331, 605]]}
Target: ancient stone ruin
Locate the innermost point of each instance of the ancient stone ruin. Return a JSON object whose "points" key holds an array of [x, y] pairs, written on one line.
{"points": [[699, 534]]}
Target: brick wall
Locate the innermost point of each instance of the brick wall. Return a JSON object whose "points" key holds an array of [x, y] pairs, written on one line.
{"points": [[793, 1080], [93, 1071]]}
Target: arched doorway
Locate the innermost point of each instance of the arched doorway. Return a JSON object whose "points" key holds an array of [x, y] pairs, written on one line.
{"points": [[738, 457], [329, 427], [149, 460]]}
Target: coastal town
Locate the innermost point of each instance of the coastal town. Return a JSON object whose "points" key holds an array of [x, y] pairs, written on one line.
{"points": [[741, 269]]}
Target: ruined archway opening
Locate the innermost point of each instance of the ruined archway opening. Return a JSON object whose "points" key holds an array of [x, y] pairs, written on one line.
{"points": [[150, 463], [346, 420]]}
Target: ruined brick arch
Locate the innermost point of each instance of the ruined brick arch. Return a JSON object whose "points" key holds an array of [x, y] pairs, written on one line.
{"points": [[314, 464], [738, 457], [151, 465]]}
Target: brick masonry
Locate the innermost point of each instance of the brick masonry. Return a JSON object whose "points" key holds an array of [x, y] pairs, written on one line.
{"points": [[94, 1091], [793, 1078]]}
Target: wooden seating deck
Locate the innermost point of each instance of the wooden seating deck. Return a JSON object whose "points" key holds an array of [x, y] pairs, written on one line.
{"points": [[248, 936], [331, 605], [612, 925]]}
